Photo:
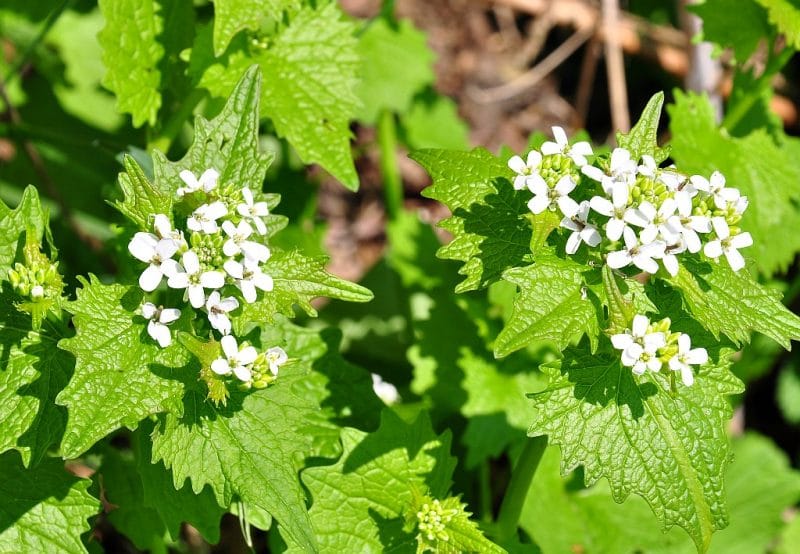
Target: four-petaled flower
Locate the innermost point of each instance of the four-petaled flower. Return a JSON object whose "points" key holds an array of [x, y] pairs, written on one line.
{"points": [[641, 255], [253, 211], [218, 309], [654, 222], [545, 197], [715, 186], [204, 219], [727, 244], [622, 169], [576, 152], [249, 277], [275, 357], [148, 248], [689, 225], [207, 181], [582, 230], [238, 243], [686, 357], [615, 209], [236, 360], [525, 168], [189, 276], [159, 318], [639, 347]]}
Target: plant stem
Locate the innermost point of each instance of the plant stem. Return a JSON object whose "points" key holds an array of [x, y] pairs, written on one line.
{"points": [[485, 491], [521, 477], [392, 183]]}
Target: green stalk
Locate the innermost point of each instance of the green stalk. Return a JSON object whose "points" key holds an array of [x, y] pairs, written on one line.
{"points": [[521, 477], [485, 491], [392, 183]]}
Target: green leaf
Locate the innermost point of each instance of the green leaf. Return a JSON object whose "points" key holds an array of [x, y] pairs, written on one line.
{"points": [[790, 538], [34, 372], [788, 393], [755, 164], [669, 448], [131, 54], [232, 16], [551, 305], [297, 280], [736, 24], [45, 509], [724, 301], [245, 449], [121, 375], [785, 15], [643, 138], [391, 86], [360, 501], [489, 235], [142, 200], [13, 225], [434, 123]]}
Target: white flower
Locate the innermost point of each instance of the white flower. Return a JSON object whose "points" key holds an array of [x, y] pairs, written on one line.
{"points": [[524, 169], [205, 217], [641, 255], [207, 181], [276, 357], [670, 259], [253, 211], [238, 242], [686, 357], [669, 177], [639, 347], [249, 277], [545, 197], [614, 209], [727, 244], [218, 309], [577, 152], [715, 186], [148, 248], [383, 390], [582, 230], [654, 222], [622, 169], [159, 319], [164, 230], [189, 277], [236, 360], [689, 225]]}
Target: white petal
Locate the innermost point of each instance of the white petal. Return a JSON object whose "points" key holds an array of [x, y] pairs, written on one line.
{"points": [[602, 205], [713, 249], [212, 279], [178, 281], [693, 244], [213, 300], [248, 289], [262, 281], [229, 228], [189, 178], [160, 333], [215, 210], [559, 135], [537, 185], [229, 346], [191, 263], [615, 228], [567, 206], [635, 216], [717, 180], [573, 242], [162, 226], [517, 165], [721, 227], [700, 223], [260, 209], [590, 235], [742, 240], [209, 179], [209, 227], [247, 195], [648, 210], [150, 278], [170, 267], [621, 341], [148, 310], [534, 159], [260, 226], [648, 234], [697, 356], [549, 148], [581, 149], [670, 264], [520, 182], [619, 194], [242, 373], [654, 364], [143, 246], [631, 354], [630, 238], [230, 248], [686, 375], [247, 355], [640, 323], [194, 225], [565, 185], [538, 203], [645, 264], [166, 248], [700, 183], [619, 157], [654, 341], [234, 269], [639, 368], [570, 224], [255, 251], [168, 315], [197, 296], [220, 366], [654, 249], [594, 173], [220, 322], [735, 259], [617, 260], [228, 304]]}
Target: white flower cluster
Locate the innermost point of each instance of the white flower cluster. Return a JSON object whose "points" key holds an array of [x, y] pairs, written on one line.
{"points": [[221, 250], [646, 212], [647, 346]]}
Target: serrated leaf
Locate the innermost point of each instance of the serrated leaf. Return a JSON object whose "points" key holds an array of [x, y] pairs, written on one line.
{"points": [[14, 223], [736, 24], [121, 375], [297, 280], [551, 305], [45, 509], [232, 16], [34, 370], [670, 449], [489, 235], [246, 448], [755, 164], [785, 15], [643, 138], [391, 86], [359, 502], [131, 55], [729, 302], [142, 200]]}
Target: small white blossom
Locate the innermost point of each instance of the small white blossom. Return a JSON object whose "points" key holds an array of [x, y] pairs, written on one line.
{"points": [[383, 390], [689, 225], [687, 357], [639, 347], [614, 209], [189, 277], [218, 309], [275, 357], [207, 181], [205, 217], [159, 319], [147, 248], [249, 277], [37, 292], [236, 360], [727, 244], [715, 186], [582, 230], [576, 152], [641, 255], [622, 169], [654, 222], [524, 168], [253, 211], [164, 230], [238, 243], [545, 197]]}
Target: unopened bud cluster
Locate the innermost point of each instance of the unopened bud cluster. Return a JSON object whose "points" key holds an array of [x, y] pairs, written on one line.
{"points": [[36, 279], [432, 520], [220, 251], [647, 213]]}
